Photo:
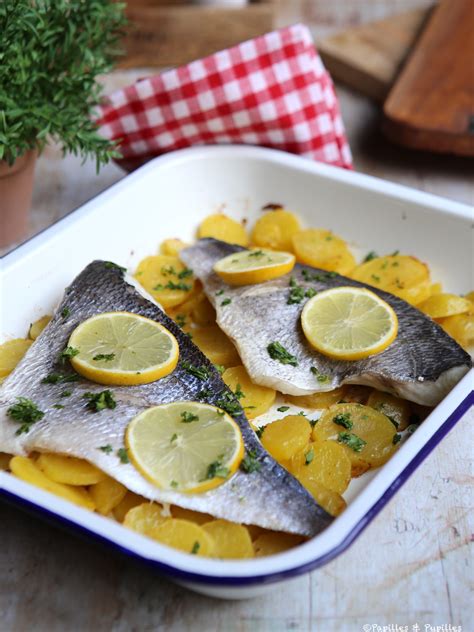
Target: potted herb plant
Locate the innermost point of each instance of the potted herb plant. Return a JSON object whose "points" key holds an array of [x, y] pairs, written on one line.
{"points": [[51, 52]]}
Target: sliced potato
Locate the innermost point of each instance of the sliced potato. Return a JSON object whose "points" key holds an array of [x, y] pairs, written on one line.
{"points": [[285, 437], [461, 328], [225, 228], [107, 494], [203, 314], [444, 304], [275, 230], [231, 540], [324, 462], [254, 399], [185, 536], [355, 422], [216, 345], [11, 352], [356, 393], [404, 276], [273, 542], [129, 501], [37, 327], [172, 247], [69, 470], [329, 500], [166, 279], [396, 409], [26, 469], [189, 514], [318, 401], [436, 288], [144, 517], [322, 249]]}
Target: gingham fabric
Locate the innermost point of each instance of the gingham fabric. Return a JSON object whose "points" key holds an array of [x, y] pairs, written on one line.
{"points": [[272, 91]]}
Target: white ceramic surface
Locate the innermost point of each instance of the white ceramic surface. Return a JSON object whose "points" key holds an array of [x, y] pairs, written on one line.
{"points": [[168, 197]]}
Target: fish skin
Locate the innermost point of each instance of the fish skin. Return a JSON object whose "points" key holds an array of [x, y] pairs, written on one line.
{"points": [[405, 368], [270, 498]]}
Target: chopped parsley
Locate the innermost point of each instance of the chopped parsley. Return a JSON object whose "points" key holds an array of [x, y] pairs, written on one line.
{"points": [[321, 377], [283, 409], [181, 320], [256, 253], [26, 413], [239, 392], [65, 312], [171, 285], [204, 393], [220, 368], [67, 354], [122, 454], [99, 401], [395, 253], [60, 378], [217, 470], [167, 270], [114, 266], [106, 448], [343, 419], [250, 463], [369, 256], [317, 276], [187, 417], [228, 403], [375, 277], [174, 484], [396, 438], [351, 441], [184, 274], [106, 357], [277, 351], [66, 393], [195, 549], [313, 422], [411, 428], [201, 372], [173, 438], [59, 406], [308, 456], [220, 293], [259, 431], [226, 301]]}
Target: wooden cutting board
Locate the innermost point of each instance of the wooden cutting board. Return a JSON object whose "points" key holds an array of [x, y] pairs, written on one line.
{"points": [[431, 105]]}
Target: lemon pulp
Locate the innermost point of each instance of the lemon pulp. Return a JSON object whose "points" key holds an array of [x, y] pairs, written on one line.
{"points": [[254, 266]]}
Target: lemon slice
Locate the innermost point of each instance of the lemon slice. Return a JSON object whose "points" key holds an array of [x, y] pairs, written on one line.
{"points": [[124, 349], [185, 446], [254, 266], [349, 323]]}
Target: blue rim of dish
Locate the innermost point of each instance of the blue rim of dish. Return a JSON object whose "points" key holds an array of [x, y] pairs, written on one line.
{"points": [[271, 577]]}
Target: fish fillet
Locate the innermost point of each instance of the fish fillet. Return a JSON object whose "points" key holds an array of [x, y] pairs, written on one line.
{"points": [[421, 365], [270, 497]]}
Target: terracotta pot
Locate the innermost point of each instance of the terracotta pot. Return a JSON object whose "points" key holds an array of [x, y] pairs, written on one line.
{"points": [[16, 187]]}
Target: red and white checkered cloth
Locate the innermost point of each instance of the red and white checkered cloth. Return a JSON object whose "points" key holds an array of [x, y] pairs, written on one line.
{"points": [[272, 91]]}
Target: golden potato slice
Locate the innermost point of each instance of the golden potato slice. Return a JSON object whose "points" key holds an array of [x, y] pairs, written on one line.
{"points": [[461, 328], [275, 230], [255, 531], [356, 393], [37, 327], [5, 461], [185, 536], [203, 314], [396, 409], [28, 471], [444, 304], [225, 228], [166, 279], [322, 249], [328, 499], [365, 434], [273, 542], [285, 437], [231, 540], [107, 494], [470, 296], [144, 517], [11, 352], [404, 276], [324, 462], [436, 288], [254, 399], [69, 470], [189, 514], [172, 247], [216, 345], [318, 401], [129, 501]]}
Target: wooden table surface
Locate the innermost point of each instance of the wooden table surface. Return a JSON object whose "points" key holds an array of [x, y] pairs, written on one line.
{"points": [[411, 566]]}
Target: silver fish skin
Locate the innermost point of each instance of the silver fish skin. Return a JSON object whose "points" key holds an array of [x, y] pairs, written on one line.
{"points": [[270, 497], [421, 365]]}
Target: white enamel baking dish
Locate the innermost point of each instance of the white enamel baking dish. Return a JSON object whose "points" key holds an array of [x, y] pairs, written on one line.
{"points": [[168, 197]]}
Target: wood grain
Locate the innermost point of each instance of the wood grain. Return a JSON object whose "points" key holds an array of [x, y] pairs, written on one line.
{"points": [[431, 106], [369, 57]]}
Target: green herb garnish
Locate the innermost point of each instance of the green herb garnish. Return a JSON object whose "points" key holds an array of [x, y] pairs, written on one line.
{"points": [[114, 266], [308, 456], [283, 409], [60, 378], [187, 417], [58, 406], [256, 253], [195, 549], [369, 256], [220, 368], [181, 320], [173, 438], [375, 277], [66, 394], [174, 484], [239, 392], [217, 470], [65, 312], [67, 354], [106, 448], [184, 274], [106, 357], [321, 377], [396, 438], [219, 292], [171, 285], [277, 351], [204, 393], [226, 301], [343, 419], [228, 403], [259, 431], [250, 463], [26, 413], [122, 454], [351, 440], [201, 372], [100, 401], [317, 276]]}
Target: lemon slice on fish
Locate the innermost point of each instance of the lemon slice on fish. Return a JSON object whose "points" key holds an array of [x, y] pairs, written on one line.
{"points": [[185, 446], [349, 323], [254, 266], [123, 349]]}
